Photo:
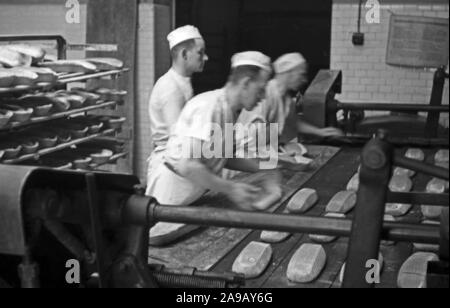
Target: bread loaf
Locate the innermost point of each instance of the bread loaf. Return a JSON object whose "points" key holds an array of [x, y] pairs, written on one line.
{"points": [[416, 154], [302, 201], [353, 184], [435, 186], [397, 209], [400, 184], [398, 171], [342, 202], [45, 75], [106, 64], [441, 156], [11, 58], [253, 260], [273, 236], [413, 272], [269, 197], [6, 78], [307, 263], [5, 117], [37, 54], [70, 66]]}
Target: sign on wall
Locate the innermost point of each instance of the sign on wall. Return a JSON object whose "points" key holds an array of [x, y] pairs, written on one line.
{"points": [[418, 41]]}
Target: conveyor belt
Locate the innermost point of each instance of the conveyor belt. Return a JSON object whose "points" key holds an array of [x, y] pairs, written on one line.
{"points": [[330, 179], [216, 249], [205, 248]]}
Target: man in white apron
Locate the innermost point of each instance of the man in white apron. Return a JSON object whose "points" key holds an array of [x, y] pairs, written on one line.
{"points": [[188, 171], [172, 91], [279, 105]]}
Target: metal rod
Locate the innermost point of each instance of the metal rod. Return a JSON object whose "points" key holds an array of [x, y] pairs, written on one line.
{"points": [[64, 80], [359, 16], [366, 233], [432, 125], [91, 187], [283, 222], [416, 165], [361, 139], [393, 107], [418, 198]]}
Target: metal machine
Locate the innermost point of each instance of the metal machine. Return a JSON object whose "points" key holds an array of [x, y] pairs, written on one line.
{"points": [[404, 125], [102, 220]]}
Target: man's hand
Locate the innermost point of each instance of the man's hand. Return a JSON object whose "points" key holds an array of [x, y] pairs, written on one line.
{"points": [[243, 195], [288, 162], [294, 166], [330, 132]]}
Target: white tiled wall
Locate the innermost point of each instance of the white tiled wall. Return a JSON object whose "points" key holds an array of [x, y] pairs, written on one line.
{"points": [[366, 75]]}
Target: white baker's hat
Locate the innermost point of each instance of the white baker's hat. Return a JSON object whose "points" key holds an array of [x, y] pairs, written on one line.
{"points": [[254, 58], [183, 34], [288, 62]]}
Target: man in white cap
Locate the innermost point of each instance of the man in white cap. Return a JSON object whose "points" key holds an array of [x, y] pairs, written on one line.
{"points": [[174, 89], [279, 105], [188, 170]]}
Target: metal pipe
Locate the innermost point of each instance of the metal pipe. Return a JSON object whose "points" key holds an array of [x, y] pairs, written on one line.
{"points": [[366, 233], [432, 125], [283, 222], [361, 139], [418, 198], [416, 165], [359, 16], [392, 107]]}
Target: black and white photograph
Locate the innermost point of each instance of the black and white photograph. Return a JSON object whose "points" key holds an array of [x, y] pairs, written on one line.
{"points": [[224, 149]]}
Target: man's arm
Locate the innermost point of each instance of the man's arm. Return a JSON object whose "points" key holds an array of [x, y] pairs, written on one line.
{"points": [[243, 195], [250, 165], [306, 128], [172, 110], [197, 172]]}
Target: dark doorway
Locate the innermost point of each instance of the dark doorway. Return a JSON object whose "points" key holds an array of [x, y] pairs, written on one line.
{"points": [[273, 27]]}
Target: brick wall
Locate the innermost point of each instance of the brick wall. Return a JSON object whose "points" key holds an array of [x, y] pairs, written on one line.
{"points": [[366, 75]]}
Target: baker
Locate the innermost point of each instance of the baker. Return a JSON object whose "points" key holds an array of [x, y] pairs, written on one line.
{"points": [[172, 91], [279, 105], [188, 170]]}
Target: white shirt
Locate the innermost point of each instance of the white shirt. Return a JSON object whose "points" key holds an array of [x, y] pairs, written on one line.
{"points": [[203, 120], [171, 88], [196, 124]]}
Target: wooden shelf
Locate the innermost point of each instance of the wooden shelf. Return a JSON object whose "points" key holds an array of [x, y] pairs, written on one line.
{"points": [[57, 148], [56, 116]]}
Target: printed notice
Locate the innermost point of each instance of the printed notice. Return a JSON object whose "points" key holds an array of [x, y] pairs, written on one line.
{"points": [[418, 41]]}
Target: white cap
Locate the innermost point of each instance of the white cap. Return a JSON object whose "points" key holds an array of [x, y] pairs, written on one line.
{"points": [[254, 58], [288, 62], [183, 34]]}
